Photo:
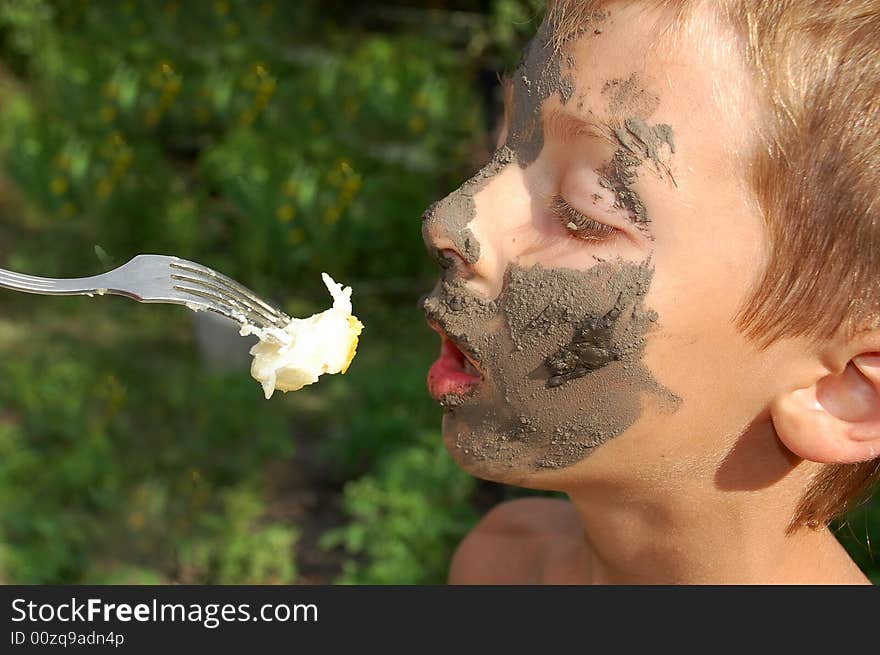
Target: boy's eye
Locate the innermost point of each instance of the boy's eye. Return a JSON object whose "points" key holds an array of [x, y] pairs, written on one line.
{"points": [[580, 226]]}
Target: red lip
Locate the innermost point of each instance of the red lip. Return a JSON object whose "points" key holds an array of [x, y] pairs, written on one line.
{"points": [[452, 373]]}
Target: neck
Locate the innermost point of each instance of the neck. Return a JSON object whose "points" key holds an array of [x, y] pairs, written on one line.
{"points": [[718, 523]]}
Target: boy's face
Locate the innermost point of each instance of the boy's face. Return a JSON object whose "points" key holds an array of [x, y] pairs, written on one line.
{"points": [[593, 270]]}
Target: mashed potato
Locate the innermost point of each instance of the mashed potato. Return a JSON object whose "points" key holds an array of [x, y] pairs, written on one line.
{"points": [[290, 358]]}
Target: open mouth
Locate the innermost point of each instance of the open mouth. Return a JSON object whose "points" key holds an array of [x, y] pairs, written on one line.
{"points": [[453, 373]]}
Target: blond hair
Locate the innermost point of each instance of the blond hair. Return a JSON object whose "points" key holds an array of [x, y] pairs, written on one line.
{"points": [[814, 174]]}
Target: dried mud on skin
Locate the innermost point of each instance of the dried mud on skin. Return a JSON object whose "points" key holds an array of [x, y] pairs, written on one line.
{"points": [[637, 142], [561, 355], [560, 349]]}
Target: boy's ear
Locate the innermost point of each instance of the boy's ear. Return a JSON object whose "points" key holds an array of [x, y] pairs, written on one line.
{"points": [[837, 419]]}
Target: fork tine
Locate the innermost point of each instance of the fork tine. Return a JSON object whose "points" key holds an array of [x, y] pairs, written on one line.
{"points": [[227, 306], [224, 292], [234, 288]]}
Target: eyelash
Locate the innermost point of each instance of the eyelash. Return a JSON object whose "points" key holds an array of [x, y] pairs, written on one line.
{"points": [[585, 228]]}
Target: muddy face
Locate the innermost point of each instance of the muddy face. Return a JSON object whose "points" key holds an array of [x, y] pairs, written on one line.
{"points": [[560, 350], [630, 104], [538, 77]]}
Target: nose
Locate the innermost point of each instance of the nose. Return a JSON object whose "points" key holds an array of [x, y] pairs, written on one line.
{"points": [[448, 230], [457, 237], [446, 227]]}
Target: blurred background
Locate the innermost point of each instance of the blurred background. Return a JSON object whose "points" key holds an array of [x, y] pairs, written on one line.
{"points": [[269, 140]]}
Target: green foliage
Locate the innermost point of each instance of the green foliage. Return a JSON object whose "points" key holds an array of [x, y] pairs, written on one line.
{"points": [[859, 532], [407, 517], [384, 392], [410, 505], [511, 24], [234, 548], [262, 134], [117, 453]]}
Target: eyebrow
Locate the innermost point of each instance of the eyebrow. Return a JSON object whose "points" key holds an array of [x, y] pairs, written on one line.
{"points": [[559, 122]]}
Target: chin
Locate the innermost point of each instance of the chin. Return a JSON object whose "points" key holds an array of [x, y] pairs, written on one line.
{"points": [[516, 471]]}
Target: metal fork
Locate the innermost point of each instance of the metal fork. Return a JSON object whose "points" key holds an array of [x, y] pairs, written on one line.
{"points": [[161, 278]]}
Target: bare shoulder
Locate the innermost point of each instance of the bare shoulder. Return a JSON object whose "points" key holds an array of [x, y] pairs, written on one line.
{"points": [[511, 543]]}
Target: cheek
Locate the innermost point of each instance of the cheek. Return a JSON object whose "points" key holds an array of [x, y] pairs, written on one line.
{"points": [[515, 225], [708, 255], [562, 353], [697, 350]]}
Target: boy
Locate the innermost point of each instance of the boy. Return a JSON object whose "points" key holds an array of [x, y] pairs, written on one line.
{"points": [[661, 296]]}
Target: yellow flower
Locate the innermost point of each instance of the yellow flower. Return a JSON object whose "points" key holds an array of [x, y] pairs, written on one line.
{"points": [[58, 185], [221, 7], [172, 86], [260, 102], [352, 185], [136, 520], [121, 164], [104, 188], [420, 99], [351, 107], [285, 213], [296, 236], [267, 86], [417, 124]]}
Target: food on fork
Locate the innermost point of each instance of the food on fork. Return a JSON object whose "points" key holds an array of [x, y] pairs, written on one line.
{"points": [[289, 358]]}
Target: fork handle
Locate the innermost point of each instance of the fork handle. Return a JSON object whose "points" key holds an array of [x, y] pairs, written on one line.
{"points": [[76, 286]]}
